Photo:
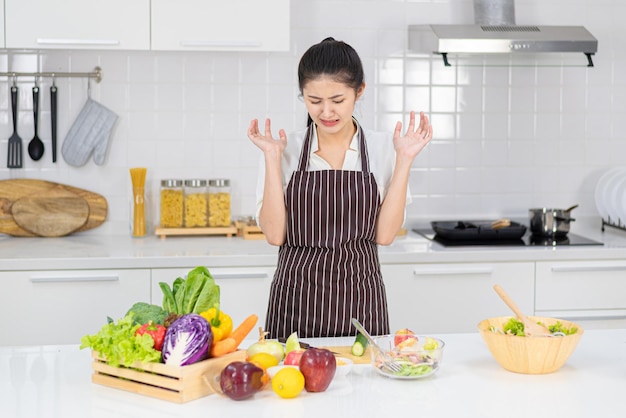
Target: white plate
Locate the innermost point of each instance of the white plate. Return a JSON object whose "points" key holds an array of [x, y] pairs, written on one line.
{"points": [[611, 197], [602, 191], [619, 201]]}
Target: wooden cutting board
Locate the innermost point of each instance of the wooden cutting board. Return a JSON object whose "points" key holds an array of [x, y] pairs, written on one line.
{"points": [[346, 351], [38, 199]]}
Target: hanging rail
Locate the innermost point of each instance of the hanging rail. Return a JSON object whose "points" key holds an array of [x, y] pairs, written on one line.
{"points": [[96, 74]]}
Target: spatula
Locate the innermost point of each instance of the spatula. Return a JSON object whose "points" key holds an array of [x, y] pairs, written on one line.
{"points": [[531, 329], [14, 156]]}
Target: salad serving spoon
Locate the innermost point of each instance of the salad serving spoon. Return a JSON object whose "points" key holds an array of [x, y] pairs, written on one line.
{"points": [[531, 329]]}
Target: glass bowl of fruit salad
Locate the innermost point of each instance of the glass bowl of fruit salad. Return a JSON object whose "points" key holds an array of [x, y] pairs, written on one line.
{"points": [[416, 356]]}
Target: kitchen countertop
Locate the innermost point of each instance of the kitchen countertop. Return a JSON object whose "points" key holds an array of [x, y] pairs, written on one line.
{"points": [[54, 381], [91, 251]]}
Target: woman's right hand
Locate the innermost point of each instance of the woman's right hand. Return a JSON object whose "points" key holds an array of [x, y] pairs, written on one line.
{"points": [[265, 141]]}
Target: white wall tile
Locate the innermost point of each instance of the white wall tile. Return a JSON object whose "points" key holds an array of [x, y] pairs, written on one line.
{"points": [[506, 138]]}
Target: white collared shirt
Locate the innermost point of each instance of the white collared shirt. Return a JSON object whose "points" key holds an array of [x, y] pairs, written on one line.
{"points": [[382, 158]]}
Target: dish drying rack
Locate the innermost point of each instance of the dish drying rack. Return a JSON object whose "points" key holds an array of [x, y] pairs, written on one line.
{"points": [[613, 224]]}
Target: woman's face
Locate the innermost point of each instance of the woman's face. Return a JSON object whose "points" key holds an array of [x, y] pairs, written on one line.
{"points": [[330, 104]]}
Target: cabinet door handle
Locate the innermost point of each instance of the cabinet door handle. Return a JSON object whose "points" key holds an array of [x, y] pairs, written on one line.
{"points": [[588, 315], [65, 279], [63, 41], [220, 276], [235, 44], [452, 270], [587, 268]]}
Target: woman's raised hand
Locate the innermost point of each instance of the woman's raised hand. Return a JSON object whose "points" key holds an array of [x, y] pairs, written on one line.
{"points": [[415, 138], [265, 141]]}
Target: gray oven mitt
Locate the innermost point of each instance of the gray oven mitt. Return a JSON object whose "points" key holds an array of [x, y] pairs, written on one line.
{"points": [[89, 133]]}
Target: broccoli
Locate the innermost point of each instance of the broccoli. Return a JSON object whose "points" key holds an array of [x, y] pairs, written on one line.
{"points": [[144, 312]]}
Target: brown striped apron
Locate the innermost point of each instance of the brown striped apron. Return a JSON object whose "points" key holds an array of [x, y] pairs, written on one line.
{"points": [[328, 270]]}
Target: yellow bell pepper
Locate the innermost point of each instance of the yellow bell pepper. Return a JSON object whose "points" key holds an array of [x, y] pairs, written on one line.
{"points": [[221, 323]]}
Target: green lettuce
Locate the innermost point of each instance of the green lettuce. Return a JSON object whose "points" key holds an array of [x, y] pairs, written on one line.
{"points": [[118, 344], [195, 294]]}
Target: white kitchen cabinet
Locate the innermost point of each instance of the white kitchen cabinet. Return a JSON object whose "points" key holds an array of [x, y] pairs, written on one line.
{"points": [[243, 290], [60, 306], [591, 293], [78, 24], [441, 298], [2, 45], [202, 25]]}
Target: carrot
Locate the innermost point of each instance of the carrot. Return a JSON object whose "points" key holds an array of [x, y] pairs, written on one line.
{"points": [[222, 347], [243, 329]]}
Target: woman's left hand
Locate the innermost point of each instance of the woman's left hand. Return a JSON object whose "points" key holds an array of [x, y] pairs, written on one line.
{"points": [[415, 138]]}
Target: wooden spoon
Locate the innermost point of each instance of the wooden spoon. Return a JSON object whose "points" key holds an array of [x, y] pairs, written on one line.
{"points": [[501, 223], [531, 329]]}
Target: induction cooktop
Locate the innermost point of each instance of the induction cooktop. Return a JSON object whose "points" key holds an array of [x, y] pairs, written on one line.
{"points": [[527, 240]]}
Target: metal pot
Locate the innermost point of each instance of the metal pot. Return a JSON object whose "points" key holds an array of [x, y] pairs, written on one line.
{"points": [[547, 222]]}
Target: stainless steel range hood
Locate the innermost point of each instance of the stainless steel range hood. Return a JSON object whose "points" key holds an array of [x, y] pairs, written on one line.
{"points": [[494, 31], [488, 39]]}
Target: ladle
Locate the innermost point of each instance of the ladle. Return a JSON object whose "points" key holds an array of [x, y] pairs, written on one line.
{"points": [[35, 146], [531, 329]]}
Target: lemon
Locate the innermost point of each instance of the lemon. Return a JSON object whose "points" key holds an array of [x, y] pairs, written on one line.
{"points": [[292, 343], [263, 360], [288, 382]]}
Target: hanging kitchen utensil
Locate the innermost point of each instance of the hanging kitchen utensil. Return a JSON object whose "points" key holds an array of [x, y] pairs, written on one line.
{"points": [[14, 155], [53, 119], [35, 146], [531, 329]]}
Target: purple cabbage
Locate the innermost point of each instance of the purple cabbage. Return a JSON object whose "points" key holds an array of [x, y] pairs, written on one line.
{"points": [[187, 341]]}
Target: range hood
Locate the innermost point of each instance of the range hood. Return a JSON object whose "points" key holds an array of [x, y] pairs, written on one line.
{"points": [[488, 39], [495, 31]]}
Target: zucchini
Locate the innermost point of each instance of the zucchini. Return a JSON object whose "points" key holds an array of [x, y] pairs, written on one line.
{"points": [[359, 345]]}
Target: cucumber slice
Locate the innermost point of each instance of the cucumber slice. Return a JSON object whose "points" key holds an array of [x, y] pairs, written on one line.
{"points": [[359, 345]]}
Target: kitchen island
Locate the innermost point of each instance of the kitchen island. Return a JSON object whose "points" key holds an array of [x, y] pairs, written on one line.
{"points": [[55, 381]]}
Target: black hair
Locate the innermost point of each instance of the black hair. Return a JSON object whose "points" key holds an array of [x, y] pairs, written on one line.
{"points": [[334, 58]]}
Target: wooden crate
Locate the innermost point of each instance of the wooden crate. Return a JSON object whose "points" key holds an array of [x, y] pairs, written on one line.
{"points": [[249, 231], [228, 231], [174, 384]]}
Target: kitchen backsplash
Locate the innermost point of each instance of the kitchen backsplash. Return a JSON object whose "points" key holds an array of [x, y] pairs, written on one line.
{"points": [[507, 138]]}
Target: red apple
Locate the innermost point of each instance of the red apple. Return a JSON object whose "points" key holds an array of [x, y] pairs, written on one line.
{"points": [[241, 379], [293, 357], [403, 335], [318, 366]]}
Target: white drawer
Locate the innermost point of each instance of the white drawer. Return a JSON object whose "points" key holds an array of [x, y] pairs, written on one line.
{"points": [[59, 307]]}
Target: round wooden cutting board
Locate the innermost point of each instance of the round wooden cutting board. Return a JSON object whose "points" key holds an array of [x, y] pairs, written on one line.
{"points": [[44, 194], [54, 213]]}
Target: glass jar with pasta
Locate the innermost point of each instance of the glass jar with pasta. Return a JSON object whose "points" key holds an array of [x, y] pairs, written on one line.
{"points": [[195, 203], [219, 202], [171, 203]]}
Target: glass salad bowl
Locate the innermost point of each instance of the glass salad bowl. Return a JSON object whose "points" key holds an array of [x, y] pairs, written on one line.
{"points": [[416, 356]]}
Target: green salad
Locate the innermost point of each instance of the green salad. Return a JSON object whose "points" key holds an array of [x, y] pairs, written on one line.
{"points": [[516, 327]]}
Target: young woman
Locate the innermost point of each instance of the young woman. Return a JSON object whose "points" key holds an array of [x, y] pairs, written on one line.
{"points": [[328, 196]]}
